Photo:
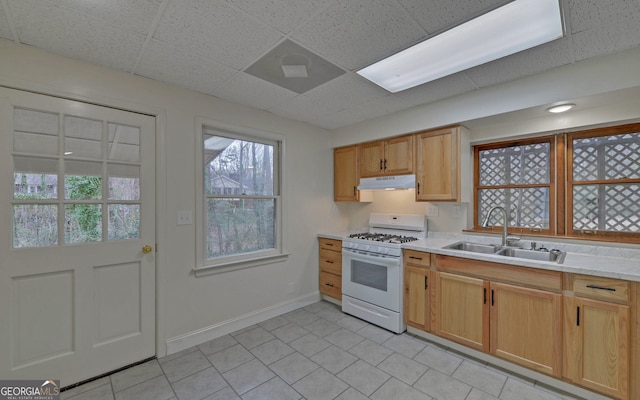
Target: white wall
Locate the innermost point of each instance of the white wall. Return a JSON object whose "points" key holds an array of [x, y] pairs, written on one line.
{"points": [[190, 304]]}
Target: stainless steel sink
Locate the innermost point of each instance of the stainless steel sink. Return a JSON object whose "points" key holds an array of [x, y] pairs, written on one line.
{"points": [[553, 256], [474, 247]]}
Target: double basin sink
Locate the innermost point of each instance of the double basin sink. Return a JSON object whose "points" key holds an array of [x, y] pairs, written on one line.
{"points": [[536, 255]]}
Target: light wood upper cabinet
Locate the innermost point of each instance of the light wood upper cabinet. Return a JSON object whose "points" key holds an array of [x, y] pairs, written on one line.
{"points": [[443, 161], [386, 157], [345, 174], [461, 312], [526, 327]]}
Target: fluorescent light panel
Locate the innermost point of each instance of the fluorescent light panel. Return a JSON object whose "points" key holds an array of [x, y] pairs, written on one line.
{"points": [[517, 26]]}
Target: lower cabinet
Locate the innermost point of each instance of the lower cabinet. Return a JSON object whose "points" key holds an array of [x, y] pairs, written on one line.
{"points": [[461, 312], [582, 329], [597, 345], [526, 327], [417, 290], [330, 268]]}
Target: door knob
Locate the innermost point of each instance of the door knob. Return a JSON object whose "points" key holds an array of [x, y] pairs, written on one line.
{"points": [[146, 249]]}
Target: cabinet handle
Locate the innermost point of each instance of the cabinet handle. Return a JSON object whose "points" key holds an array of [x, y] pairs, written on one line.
{"points": [[385, 164], [492, 297], [415, 258], [426, 284], [329, 284], [601, 288], [328, 261], [381, 164], [418, 187], [484, 296], [578, 317], [355, 190]]}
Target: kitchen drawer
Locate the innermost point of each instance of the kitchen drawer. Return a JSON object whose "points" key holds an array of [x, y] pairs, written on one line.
{"points": [[331, 244], [600, 288], [331, 285], [331, 261], [417, 258]]}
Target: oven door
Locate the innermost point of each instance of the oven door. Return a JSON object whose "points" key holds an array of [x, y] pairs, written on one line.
{"points": [[374, 279]]}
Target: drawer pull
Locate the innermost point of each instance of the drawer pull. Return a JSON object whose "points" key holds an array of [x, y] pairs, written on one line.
{"points": [[601, 288], [329, 284], [415, 258], [328, 261], [329, 244]]}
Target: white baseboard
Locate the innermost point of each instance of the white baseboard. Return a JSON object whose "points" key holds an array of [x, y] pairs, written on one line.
{"points": [[190, 339]]}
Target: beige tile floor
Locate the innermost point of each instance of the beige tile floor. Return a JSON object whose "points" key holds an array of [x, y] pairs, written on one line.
{"points": [[314, 353]]}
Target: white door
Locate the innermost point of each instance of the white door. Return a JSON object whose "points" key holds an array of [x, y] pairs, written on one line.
{"points": [[77, 208]]}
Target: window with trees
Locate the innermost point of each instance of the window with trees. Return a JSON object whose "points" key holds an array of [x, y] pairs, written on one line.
{"points": [[240, 196], [75, 180], [582, 184]]}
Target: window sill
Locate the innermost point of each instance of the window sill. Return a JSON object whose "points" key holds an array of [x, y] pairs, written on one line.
{"points": [[238, 265]]}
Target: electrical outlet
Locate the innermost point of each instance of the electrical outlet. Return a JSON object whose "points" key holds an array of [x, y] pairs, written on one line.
{"points": [[185, 217], [432, 211]]}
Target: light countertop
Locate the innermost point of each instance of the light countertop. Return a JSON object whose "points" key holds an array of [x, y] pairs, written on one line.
{"points": [[609, 262]]}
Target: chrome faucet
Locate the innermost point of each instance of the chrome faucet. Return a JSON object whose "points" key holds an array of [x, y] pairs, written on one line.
{"points": [[506, 240]]}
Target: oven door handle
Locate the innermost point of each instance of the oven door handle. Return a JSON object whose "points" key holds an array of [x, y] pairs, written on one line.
{"points": [[384, 261]]}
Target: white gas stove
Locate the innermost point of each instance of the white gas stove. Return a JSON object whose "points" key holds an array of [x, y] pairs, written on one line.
{"points": [[372, 268]]}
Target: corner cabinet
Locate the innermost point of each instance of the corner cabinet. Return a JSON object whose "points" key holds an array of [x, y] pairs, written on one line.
{"points": [[443, 162], [345, 174], [386, 157], [331, 268], [597, 328]]}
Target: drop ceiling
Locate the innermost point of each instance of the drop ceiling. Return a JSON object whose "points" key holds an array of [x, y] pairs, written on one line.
{"points": [[208, 46]]}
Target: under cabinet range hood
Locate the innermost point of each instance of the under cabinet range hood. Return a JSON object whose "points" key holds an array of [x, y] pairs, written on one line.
{"points": [[388, 182]]}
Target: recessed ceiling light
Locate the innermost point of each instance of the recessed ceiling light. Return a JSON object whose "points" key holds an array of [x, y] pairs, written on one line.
{"points": [[514, 27], [295, 71], [560, 108]]}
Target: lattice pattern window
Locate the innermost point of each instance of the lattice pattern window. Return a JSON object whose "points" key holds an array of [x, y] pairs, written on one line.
{"points": [[516, 176], [605, 182]]}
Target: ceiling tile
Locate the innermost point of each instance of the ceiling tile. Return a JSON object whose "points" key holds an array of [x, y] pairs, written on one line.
{"points": [[216, 31], [300, 108], [587, 14], [284, 15], [180, 67], [64, 32], [344, 92], [435, 16], [528, 62], [443, 88], [361, 112], [608, 37], [254, 92], [5, 30], [132, 15], [356, 33]]}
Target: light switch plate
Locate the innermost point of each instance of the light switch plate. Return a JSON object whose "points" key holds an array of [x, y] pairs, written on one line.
{"points": [[185, 217]]}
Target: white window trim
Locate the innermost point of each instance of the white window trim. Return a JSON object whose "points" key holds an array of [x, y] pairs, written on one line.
{"points": [[248, 260]]}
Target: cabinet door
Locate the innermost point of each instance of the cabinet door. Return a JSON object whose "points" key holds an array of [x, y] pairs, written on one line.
{"points": [[597, 345], [526, 327], [398, 156], [371, 159], [345, 174], [461, 310], [438, 169], [416, 297]]}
